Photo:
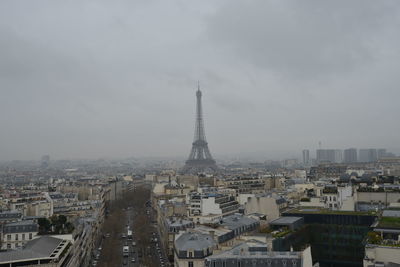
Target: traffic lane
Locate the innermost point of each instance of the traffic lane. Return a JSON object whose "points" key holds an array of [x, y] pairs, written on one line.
{"points": [[161, 255], [127, 261], [126, 240], [157, 254]]}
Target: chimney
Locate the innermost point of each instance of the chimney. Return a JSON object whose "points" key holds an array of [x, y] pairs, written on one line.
{"points": [[212, 234]]}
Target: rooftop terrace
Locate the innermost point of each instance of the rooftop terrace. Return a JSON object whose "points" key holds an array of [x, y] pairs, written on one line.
{"points": [[389, 222]]}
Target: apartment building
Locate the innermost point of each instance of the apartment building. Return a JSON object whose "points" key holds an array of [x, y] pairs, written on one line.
{"points": [[203, 204], [17, 234]]}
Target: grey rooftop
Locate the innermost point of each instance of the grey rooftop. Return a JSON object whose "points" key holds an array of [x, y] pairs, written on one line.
{"points": [[286, 220], [194, 241], [44, 247]]}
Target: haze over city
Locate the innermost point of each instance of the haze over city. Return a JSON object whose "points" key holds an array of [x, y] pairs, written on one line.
{"points": [[89, 79]]}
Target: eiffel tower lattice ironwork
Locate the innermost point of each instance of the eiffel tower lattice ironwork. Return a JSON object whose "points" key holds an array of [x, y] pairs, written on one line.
{"points": [[200, 159]]}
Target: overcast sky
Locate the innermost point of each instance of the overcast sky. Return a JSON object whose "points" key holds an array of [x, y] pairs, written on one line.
{"points": [[95, 78]]}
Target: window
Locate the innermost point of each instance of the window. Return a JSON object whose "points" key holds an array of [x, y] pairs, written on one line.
{"points": [[30, 235], [8, 246], [190, 264], [8, 237], [23, 236], [190, 254], [16, 236]]}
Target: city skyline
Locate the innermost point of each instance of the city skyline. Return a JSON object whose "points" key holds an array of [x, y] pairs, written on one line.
{"points": [[295, 156]]}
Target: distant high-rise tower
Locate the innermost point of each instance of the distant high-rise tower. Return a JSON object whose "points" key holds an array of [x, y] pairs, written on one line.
{"points": [[350, 155], [200, 159], [381, 153], [329, 155], [45, 161], [367, 155], [306, 157]]}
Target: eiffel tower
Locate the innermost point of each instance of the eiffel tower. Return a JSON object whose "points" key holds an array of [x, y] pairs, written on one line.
{"points": [[200, 159]]}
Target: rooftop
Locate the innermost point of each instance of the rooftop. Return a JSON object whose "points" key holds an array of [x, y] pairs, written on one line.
{"points": [[389, 222], [20, 227], [286, 220], [317, 210], [237, 220], [254, 249], [44, 247], [176, 222], [10, 214], [21, 223], [206, 230], [194, 241], [391, 213]]}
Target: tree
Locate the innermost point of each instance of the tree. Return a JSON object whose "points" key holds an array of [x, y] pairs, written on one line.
{"points": [[44, 226], [374, 238]]}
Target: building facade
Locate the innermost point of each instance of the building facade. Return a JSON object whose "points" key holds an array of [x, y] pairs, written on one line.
{"points": [[350, 155], [17, 234]]}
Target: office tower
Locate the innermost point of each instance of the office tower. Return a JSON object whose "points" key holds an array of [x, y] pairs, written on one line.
{"points": [[350, 155], [200, 159], [306, 157], [329, 155], [338, 156], [381, 153], [367, 155]]}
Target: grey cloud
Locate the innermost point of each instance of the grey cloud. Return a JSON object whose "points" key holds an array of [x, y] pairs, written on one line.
{"points": [[102, 78], [306, 39]]}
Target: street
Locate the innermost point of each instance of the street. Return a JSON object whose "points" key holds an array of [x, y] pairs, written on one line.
{"points": [[129, 236]]}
